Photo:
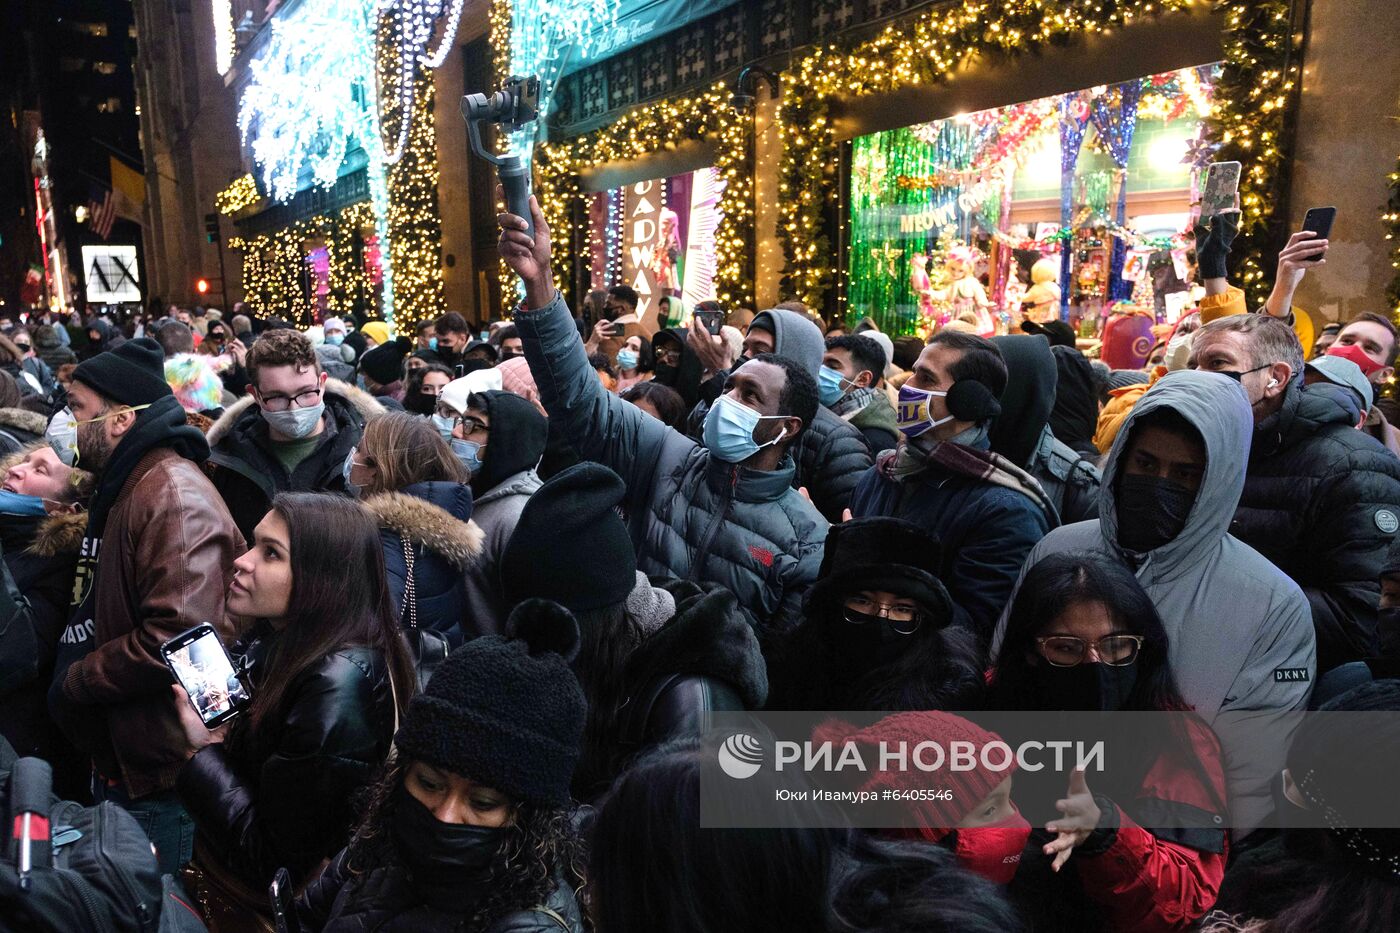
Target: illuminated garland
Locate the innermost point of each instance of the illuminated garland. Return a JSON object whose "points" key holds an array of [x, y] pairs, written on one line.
{"points": [[274, 265], [1250, 117], [243, 192], [415, 227], [1250, 102], [642, 132]]}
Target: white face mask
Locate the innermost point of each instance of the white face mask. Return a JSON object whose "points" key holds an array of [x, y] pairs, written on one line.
{"points": [[62, 435], [296, 423]]}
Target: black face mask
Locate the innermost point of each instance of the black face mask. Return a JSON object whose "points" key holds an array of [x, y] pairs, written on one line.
{"points": [[862, 648], [451, 858], [420, 403], [1151, 511], [1085, 687], [1388, 629]]}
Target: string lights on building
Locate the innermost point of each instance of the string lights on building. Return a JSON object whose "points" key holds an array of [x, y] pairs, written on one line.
{"points": [[1251, 104], [241, 193]]}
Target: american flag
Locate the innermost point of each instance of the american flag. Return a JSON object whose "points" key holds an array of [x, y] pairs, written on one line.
{"points": [[101, 215]]}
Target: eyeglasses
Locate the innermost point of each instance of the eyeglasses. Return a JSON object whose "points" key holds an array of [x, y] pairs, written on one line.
{"points": [[670, 357], [1069, 650], [904, 619], [470, 425], [283, 403], [22, 346]]}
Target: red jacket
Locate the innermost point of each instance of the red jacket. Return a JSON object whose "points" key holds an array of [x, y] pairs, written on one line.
{"points": [[1145, 884]]}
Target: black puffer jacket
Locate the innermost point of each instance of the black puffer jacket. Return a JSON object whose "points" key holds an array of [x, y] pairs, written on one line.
{"points": [[831, 456], [248, 475], [382, 900], [285, 795], [1322, 501], [435, 518], [704, 659]]}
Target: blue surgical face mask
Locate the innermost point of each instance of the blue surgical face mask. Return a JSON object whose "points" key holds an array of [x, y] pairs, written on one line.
{"points": [[297, 423], [729, 428], [444, 426], [345, 469], [469, 453], [432, 343], [627, 359], [335, 340], [831, 385], [17, 503]]}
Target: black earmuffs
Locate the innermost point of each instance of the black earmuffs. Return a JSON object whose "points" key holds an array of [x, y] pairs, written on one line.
{"points": [[970, 400]]}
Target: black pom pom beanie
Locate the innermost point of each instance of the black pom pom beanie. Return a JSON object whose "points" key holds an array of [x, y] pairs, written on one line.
{"points": [[506, 711]]}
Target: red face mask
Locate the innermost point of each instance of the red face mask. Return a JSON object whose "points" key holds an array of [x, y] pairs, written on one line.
{"points": [[1358, 356], [994, 851]]}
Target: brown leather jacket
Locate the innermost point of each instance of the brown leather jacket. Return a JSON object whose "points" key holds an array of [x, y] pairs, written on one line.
{"points": [[165, 565]]}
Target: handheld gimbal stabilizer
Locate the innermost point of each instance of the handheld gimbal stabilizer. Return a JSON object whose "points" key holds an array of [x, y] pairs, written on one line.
{"points": [[512, 107]]}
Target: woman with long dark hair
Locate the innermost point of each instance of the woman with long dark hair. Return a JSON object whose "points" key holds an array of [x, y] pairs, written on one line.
{"points": [[1082, 635], [422, 386], [469, 829], [329, 673], [407, 476], [689, 879], [876, 634]]}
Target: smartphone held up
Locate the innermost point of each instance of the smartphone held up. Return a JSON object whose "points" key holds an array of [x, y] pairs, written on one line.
{"points": [[202, 666]]}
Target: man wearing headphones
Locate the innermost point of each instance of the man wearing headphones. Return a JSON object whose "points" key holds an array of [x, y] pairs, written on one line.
{"points": [[1321, 499], [987, 512]]}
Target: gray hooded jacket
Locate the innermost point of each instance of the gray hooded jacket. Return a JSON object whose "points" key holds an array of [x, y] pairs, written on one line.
{"points": [[1240, 631], [831, 454]]}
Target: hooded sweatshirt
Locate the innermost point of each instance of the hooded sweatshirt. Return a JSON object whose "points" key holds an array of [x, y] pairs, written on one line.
{"points": [[1021, 433], [1076, 411], [685, 376], [831, 454], [501, 488], [1239, 630]]}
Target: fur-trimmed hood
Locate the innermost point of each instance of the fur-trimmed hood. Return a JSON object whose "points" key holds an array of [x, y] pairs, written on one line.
{"points": [[363, 402], [22, 419], [434, 515], [60, 534]]}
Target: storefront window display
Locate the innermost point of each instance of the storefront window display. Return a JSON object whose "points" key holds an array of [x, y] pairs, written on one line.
{"points": [[1074, 206], [658, 237]]}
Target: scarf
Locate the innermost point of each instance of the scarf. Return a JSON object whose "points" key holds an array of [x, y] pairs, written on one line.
{"points": [[962, 455], [853, 402], [649, 607]]}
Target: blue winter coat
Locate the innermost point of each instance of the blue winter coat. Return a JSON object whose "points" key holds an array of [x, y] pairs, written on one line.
{"points": [[436, 520], [986, 531]]}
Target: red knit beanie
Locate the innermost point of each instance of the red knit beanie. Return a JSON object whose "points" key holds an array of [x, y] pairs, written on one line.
{"points": [[935, 818]]}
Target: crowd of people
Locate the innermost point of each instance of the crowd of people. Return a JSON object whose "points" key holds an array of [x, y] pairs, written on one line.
{"points": [[486, 587]]}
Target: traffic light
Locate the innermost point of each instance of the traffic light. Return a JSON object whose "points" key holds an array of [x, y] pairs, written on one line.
{"points": [[211, 228], [201, 286]]}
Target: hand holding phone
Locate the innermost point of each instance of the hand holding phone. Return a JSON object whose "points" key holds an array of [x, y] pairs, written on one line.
{"points": [[711, 321], [1318, 220], [202, 667], [617, 330]]}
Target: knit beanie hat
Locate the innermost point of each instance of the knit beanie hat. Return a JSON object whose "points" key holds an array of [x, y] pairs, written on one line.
{"points": [[384, 363], [934, 818], [333, 323], [132, 374], [570, 545], [517, 379], [195, 382], [506, 711], [378, 331]]}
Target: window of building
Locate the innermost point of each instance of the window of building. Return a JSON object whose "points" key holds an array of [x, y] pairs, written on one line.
{"points": [[110, 105], [68, 63], [105, 68], [98, 30]]}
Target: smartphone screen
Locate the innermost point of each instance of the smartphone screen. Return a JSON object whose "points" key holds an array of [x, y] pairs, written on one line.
{"points": [[201, 665], [1319, 220]]}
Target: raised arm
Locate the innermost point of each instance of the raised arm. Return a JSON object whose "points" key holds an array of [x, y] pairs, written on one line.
{"points": [[601, 426]]}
